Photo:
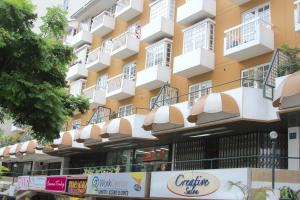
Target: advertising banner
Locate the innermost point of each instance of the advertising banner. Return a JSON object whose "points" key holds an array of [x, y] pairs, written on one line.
{"points": [[37, 183], [56, 183], [120, 184], [77, 185], [206, 184], [23, 182]]}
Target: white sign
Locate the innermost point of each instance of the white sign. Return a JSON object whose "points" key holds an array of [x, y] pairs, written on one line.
{"points": [[23, 182], [120, 184], [37, 183], [205, 184]]}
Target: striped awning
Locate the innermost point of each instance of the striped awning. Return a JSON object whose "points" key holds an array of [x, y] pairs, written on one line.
{"points": [[163, 118], [287, 94], [14, 149], [90, 133], [213, 107], [28, 147], [4, 152], [117, 128]]}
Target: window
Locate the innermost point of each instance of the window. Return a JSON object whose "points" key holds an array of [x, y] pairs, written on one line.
{"points": [[125, 110], [85, 24], [81, 55], [159, 54], [152, 102], [129, 71], [198, 90], [106, 46], [100, 115], [102, 82], [66, 5], [254, 76], [199, 36], [135, 29], [76, 124], [261, 11], [76, 87], [162, 8]]}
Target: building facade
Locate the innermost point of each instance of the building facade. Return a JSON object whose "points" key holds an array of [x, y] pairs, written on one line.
{"points": [[178, 85]]}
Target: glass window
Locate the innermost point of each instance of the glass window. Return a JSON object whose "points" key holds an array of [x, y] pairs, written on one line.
{"points": [[255, 76], [121, 158], [162, 8], [152, 159], [135, 29], [159, 54], [76, 124], [199, 36], [125, 110], [261, 11], [102, 82], [76, 87], [129, 71], [198, 90], [106, 46], [85, 24]]}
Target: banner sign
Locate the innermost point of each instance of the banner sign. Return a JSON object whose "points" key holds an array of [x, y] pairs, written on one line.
{"points": [[23, 182], [121, 184], [76, 185], [56, 183], [37, 183], [206, 184]]}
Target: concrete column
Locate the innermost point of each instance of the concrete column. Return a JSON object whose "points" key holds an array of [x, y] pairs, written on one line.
{"points": [[64, 166], [294, 147]]}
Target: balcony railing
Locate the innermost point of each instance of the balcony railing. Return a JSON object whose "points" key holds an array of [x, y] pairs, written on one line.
{"points": [[122, 4], [115, 83], [99, 19], [122, 39], [94, 55], [244, 33]]}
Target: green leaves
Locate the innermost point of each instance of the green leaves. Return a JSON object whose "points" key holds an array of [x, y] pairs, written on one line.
{"points": [[33, 70]]}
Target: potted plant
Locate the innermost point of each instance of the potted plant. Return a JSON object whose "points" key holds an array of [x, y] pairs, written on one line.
{"points": [[286, 193]]}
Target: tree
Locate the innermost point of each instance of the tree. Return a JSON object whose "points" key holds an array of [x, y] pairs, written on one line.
{"points": [[292, 63], [33, 70]]}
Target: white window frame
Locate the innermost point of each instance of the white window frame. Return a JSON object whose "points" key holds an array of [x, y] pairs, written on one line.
{"points": [[101, 82], [125, 110], [76, 124], [76, 87], [256, 83], [107, 45], [256, 13], [162, 8], [203, 88], [129, 71], [159, 54], [200, 35]]}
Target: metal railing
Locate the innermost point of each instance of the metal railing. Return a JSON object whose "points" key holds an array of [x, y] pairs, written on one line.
{"points": [[101, 114], [251, 161], [167, 95], [121, 5], [116, 82], [280, 65], [94, 55], [97, 20], [90, 92], [122, 40], [244, 33]]}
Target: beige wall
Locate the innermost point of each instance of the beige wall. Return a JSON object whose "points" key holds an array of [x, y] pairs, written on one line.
{"points": [[228, 15]]}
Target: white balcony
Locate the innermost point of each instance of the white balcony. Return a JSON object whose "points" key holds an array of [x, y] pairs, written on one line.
{"points": [[125, 45], [82, 37], [157, 29], [77, 71], [103, 23], [76, 87], [195, 10], [97, 97], [297, 15], [129, 9], [119, 88], [248, 40], [98, 60], [194, 63], [240, 2], [153, 77]]}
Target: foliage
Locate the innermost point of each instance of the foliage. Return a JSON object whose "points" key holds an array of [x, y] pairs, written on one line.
{"points": [[9, 139], [33, 70], [293, 63], [288, 193], [3, 170], [242, 187]]}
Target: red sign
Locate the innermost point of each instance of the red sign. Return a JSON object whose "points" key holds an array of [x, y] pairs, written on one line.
{"points": [[56, 183]]}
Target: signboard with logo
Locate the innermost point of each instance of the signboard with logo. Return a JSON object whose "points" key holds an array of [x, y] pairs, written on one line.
{"points": [[56, 183], [77, 185], [206, 184], [133, 184], [37, 183], [23, 182]]}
